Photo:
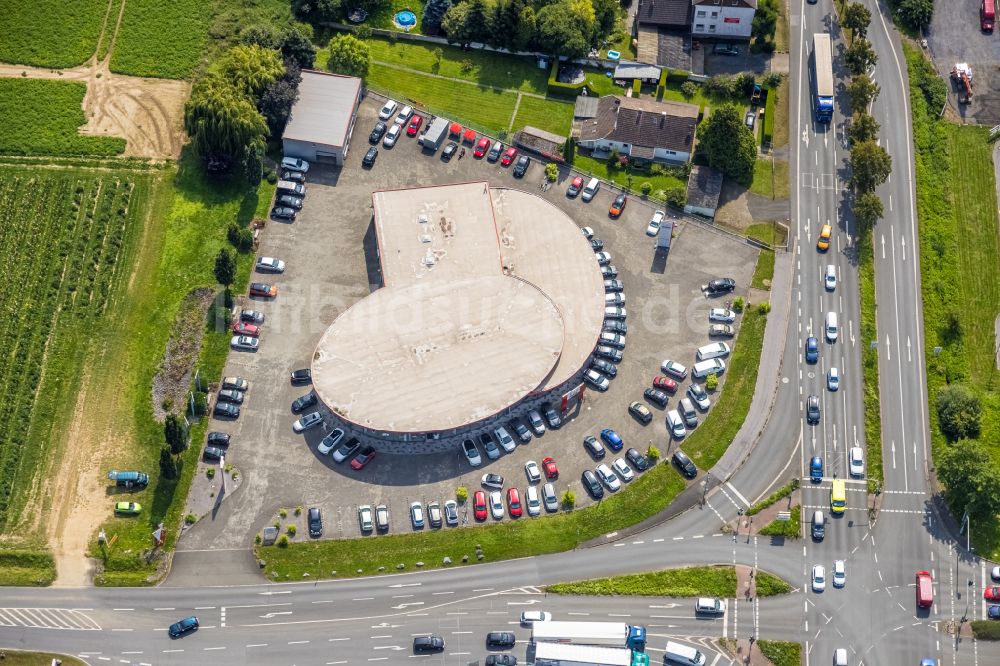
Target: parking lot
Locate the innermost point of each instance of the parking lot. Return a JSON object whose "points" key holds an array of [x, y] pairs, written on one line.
{"points": [[327, 272], [954, 36]]}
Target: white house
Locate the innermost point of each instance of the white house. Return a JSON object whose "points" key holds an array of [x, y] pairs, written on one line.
{"points": [[644, 129], [731, 19]]}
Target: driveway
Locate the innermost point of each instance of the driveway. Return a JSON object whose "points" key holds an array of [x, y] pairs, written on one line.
{"points": [[954, 36], [325, 252]]}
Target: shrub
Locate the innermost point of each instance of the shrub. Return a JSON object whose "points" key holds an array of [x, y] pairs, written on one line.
{"points": [[677, 197], [986, 630], [462, 494], [739, 304], [569, 499], [240, 237], [689, 89], [298, 510], [636, 87], [210, 472], [283, 541], [551, 172], [257, 538], [292, 529], [712, 382], [646, 188], [190, 519], [764, 307], [653, 453], [467, 66], [958, 412], [283, 512]]}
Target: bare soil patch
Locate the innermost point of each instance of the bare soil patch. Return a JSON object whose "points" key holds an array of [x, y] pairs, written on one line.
{"points": [[170, 385]]}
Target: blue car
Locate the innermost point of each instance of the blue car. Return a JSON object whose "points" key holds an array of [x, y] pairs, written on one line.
{"points": [[993, 612], [816, 469], [183, 627], [612, 439], [812, 350]]}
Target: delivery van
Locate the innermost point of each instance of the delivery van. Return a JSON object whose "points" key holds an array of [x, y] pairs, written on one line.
{"points": [[591, 189], [682, 654], [838, 496], [925, 589]]}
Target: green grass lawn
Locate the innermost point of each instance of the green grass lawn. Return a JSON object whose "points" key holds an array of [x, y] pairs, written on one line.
{"points": [[781, 121], [781, 653], [50, 33], [54, 132], [620, 177], [709, 581], [771, 499], [551, 115], [764, 271], [770, 178], [26, 567], [869, 362], [959, 261], [161, 39], [768, 232], [20, 658], [789, 529]]}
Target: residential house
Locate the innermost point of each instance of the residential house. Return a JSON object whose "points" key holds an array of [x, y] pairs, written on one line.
{"points": [[643, 129], [724, 19]]}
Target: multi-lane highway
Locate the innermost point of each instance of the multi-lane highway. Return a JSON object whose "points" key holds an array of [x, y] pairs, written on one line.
{"points": [[874, 616]]}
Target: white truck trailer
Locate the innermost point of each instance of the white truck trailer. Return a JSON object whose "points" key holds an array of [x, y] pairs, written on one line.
{"points": [[568, 654], [611, 634]]}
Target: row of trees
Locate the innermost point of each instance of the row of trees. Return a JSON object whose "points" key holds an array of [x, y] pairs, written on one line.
{"points": [[565, 27], [870, 163]]}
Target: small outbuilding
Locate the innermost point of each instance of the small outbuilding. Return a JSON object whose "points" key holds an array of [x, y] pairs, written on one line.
{"points": [[626, 72], [322, 120], [542, 143], [704, 190]]}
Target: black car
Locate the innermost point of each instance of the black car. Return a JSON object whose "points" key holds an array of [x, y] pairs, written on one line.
{"points": [[282, 213], [218, 438], [610, 353], [812, 409], [615, 326], [226, 409], [184, 626], [428, 644], [252, 316], [521, 167], [594, 448], [301, 376], [721, 286], [685, 465], [449, 151], [608, 368], [597, 245], [288, 201], [293, 176], [501, 660], [500, 639], [613, 285], [369, 159], [303, 401], [552, 416], [592, 485], [721, 330], [638, 460], [231, 395], [214, 453], [655, 396], [315, 522], [522, 430], [377, 133]]}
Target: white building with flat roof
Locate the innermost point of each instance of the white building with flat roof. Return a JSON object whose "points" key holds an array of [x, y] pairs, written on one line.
{"points": [[322, 120]]}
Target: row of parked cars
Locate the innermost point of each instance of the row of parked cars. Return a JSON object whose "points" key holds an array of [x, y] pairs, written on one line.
{"points": [[291, 189]]}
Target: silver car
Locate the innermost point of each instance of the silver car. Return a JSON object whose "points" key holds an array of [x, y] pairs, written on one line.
{"points": [[417, 515], [549, 498], [536, 422], [308, 421], [365, 517], [270, 265], [330, 441]]}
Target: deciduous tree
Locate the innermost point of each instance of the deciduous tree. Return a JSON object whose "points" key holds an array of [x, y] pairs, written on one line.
{"points": [[915, 14], [175, 432], [298, 48], [870, 166], [868, 210], [225, 267], [566, 28], [222, 122], [349, 55], [316, 11], [856, 18], [765, 21], [863, 92], [860, 56], [863, 128], [968, 471], [728, 144], [434, 12], [250, 68], [958, 411]]}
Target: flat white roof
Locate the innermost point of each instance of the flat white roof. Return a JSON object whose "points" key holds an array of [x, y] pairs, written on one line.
{"points": [[485, 291], [324, 110]]}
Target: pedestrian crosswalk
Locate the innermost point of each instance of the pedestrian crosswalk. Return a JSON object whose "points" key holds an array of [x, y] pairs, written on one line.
{"points": [[47, 618]]}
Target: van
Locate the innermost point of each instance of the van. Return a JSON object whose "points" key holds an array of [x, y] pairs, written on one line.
{"points": [[818, 526], [925, 589], [686, 408], [838, 497], [714, 350], [294, 189], [702, 369], [675, 653], [987, 15], [591, 189], [831, 327], [840, 657]]}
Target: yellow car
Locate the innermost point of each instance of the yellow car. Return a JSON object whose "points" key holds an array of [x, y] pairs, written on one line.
{"points": [[128, 508], [824, 238]]}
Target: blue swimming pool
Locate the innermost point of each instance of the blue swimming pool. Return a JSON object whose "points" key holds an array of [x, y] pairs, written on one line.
{"points": [[405, 19]]}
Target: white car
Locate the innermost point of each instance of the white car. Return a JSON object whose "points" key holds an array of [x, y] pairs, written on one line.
{"points": [[404, 115], [392, 136], [494, 481], [506, 441], [995, 574], [330, 442], [387, 110], [654, 224], [608, 478], [496, 505], [295, 164], [536, 422], [833, 379], [451, 512], [596, 379], [365, 517], [699, 396], [603, 258], [588, 232], [534, 505], [674, 369], [530, 617], [308, 421], [270, 265], [532, 472], [623, 470], [675, 424], [819, 578], [839, 574], [830, 277], [417, 515], [471, 453], [722, 315], [840, 657], [550, 498], [244, 343], [856, 461]]}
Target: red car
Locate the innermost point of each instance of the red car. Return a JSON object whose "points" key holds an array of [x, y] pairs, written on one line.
{"points": [[575, 186], [414, 126], [479, 505], [481, 147], [508, 156], [363, 458], [665, 383], [549, 469], [262, 289], [243, 328], [992, 593], [618, 205], [513, 503]]}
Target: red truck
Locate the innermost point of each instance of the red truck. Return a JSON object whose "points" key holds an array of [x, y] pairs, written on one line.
{"points": [[987, 15], [925, 589]]}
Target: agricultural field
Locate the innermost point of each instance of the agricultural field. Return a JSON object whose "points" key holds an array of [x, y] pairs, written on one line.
{"points": [[66, 238], [50, 33], [55, 132], [161, 39]]}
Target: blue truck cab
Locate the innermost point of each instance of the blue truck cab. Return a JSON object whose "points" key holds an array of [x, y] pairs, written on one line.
{"points": [[816, 469], [636, 637]]}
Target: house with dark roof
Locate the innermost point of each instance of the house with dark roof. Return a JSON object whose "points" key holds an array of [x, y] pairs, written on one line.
{"points": [[725, 19], [704, 191], [664, 13], [643, 129]]}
